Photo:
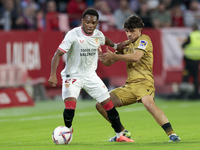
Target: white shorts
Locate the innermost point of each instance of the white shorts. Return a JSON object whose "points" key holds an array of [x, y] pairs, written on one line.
{"points": [[92, 84]]}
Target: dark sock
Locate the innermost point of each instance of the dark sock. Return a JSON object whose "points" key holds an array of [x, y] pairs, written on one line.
{"points": [[68, 115], [168, 128], [115, 120]]}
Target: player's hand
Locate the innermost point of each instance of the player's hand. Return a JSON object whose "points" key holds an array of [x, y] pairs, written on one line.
{"points": [[108, 56], [99, 50], [123, 45], [52, 81], [100, 54]]}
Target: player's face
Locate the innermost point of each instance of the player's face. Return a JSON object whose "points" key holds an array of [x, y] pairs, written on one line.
{"points": [[89, 24], [133, 34]]}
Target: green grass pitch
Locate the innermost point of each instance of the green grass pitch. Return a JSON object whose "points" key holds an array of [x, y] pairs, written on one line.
{"points": [[30, 128]]}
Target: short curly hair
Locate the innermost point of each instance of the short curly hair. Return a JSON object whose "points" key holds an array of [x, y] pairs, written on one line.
{"points": [[90, 11], [133, 22]]}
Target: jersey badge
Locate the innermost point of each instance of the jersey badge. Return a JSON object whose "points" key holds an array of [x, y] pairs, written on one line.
{"points": [[142, 44], [97, 41]]}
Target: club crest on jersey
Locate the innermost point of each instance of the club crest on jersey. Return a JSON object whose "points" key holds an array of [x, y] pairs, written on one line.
{"points": [[67, 85], [142, 44], [97, 41]]}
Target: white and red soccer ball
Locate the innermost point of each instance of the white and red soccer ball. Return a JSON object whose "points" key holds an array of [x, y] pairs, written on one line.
{"points": [[62, 135]]}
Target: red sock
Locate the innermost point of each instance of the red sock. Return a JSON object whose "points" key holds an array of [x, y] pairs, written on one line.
{"points": [[108, 106], [70, 104]]}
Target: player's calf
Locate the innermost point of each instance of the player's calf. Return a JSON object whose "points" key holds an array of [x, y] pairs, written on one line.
{"points": [[113, 116], [68, 113]]}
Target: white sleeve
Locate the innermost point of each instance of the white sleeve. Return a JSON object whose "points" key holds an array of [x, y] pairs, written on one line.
{"points": [[101, 38], [67, 42]]}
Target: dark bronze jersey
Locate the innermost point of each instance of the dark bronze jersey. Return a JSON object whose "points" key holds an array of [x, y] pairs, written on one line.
{"points": [[141, 70]]}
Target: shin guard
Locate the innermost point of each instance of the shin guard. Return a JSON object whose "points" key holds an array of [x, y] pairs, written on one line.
{"points": [[68, 113], [113, 116]]}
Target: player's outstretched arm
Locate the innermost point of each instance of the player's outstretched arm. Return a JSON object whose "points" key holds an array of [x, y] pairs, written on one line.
{"points": [[134, 57], [54, 64], [119, 47]]}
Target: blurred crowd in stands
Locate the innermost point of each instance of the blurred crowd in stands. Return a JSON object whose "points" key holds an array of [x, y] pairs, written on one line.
{"points": [[63, 15]]}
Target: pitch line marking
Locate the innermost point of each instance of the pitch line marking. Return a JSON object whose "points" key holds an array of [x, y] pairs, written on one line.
{"points": [[82, 114]]}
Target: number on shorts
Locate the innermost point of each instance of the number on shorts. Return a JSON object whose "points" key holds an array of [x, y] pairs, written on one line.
{"points": [[73, 80]]}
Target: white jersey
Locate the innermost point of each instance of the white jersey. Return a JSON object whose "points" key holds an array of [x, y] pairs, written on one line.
{"points": [[81, 50]]}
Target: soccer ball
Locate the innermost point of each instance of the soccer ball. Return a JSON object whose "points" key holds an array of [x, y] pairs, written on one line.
{"points": [[62, 135]]}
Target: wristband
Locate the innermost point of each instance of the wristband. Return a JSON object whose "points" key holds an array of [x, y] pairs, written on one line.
{"points": [[115, 46]]}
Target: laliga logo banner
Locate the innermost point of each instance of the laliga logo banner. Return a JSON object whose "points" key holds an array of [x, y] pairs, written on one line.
{"points": [[34, 50], [27, 53]]}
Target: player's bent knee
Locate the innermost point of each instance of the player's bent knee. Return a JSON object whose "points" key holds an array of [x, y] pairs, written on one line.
{"points": [[104, 102], [98, 106], [104, 98], [70, 99], [116, 101], [150, 106]]}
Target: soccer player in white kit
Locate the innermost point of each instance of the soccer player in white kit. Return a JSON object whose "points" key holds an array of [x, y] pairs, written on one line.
{"points": [[81, 47]]}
